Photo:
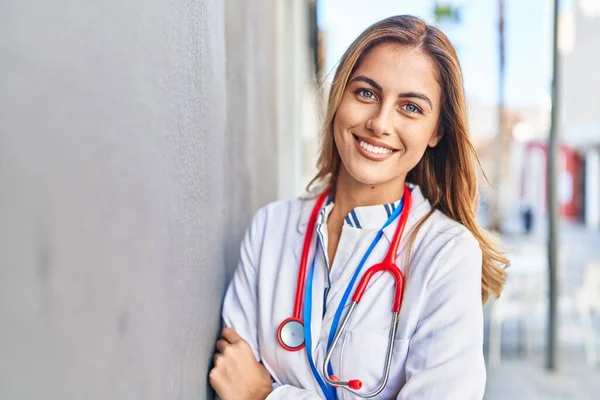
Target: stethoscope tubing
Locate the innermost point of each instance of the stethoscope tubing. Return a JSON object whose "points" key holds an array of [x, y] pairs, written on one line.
{"points": [[301, 282], [387, 265]]}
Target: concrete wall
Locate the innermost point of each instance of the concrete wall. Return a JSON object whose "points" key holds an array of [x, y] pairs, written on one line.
{"points": [[136, 139]]}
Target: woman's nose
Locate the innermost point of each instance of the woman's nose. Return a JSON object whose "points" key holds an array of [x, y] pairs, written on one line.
{"points": [[380, 123]]}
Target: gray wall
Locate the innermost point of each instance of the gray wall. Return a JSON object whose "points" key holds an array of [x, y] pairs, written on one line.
{"points": [[136, 139]]}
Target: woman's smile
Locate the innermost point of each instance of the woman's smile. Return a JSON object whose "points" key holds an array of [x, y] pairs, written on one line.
{"points": [[372, 149]]}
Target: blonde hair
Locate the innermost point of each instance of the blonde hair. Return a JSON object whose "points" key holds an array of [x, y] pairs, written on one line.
{"points": [[447, 173]]}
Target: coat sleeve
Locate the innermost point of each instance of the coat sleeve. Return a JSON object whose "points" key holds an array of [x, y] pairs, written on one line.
{"points": [[283, 392], [445, 357], [240, 307]]}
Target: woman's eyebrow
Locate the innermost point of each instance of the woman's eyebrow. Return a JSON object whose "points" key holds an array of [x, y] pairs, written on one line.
{"points": [[367, 80], [415, 95]]}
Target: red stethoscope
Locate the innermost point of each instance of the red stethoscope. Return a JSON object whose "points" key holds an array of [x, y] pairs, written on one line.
{"points": [[291, 332]]}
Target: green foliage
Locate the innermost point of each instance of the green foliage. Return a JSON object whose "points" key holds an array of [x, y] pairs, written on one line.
{"points": [[446, 13]]}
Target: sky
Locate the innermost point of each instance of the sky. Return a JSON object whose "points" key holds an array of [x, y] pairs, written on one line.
{"points": [[528, 41]]}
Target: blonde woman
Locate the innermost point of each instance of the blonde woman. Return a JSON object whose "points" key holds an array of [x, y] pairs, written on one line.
{"points": [[371, 285]]}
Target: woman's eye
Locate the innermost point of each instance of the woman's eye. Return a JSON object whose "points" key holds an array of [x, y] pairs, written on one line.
{"points": [[411, 108], [366, 93]]}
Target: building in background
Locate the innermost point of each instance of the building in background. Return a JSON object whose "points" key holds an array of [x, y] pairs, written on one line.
{"points": [[580, 119], [579, 125], [297, 56]]}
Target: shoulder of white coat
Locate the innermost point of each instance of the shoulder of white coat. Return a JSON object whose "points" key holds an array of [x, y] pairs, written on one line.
{"points": [[440, 241], [282, 213], [281, 207]]}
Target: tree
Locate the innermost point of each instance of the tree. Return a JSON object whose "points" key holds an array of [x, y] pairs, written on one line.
{"points": [[445, 13]]}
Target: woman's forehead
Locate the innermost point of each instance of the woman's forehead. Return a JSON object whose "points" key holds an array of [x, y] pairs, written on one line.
{"points": [[397, 67]]}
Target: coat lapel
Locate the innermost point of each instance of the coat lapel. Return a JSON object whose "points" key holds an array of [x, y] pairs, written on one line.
{"points": [[305, 211]]}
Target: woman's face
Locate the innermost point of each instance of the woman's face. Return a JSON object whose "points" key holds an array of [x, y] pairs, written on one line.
{"points": [[388, 115]]}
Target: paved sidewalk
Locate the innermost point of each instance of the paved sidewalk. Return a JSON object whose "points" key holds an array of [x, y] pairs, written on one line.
{"points": [[524, 377], [517, 379], [577, 244]]}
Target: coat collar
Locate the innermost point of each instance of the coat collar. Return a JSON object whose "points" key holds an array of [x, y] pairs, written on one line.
{"points": [[420, 206]]}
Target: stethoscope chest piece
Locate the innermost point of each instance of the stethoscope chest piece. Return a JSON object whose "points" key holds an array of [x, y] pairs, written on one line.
{"points": [[290, 334]]}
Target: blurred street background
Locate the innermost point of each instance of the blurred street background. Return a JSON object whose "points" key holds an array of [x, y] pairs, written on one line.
{"points": [[138, 138], [506, 52]]}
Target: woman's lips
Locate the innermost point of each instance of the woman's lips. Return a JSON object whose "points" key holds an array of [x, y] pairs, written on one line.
{"points": [[371, 156]]}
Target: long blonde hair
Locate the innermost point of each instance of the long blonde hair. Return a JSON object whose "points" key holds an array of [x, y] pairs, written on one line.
{"points": [[447, 173]]}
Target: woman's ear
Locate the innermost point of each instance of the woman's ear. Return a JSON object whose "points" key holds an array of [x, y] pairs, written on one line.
{"points": [[436, 137]]}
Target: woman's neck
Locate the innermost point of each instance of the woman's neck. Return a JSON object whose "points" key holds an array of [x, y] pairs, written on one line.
{"points": [[349, 193]]}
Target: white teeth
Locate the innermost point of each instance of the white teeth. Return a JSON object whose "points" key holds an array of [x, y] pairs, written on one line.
{"points": [[374, 149]]}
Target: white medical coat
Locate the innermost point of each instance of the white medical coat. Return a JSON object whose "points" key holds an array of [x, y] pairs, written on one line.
{"points": [[438, 351]]}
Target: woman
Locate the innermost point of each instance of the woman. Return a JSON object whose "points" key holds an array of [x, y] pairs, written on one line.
{"points": [[396, 160]]}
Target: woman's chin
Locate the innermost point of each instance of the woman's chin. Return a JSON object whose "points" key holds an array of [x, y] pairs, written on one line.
{"points": [[367, 177]]}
